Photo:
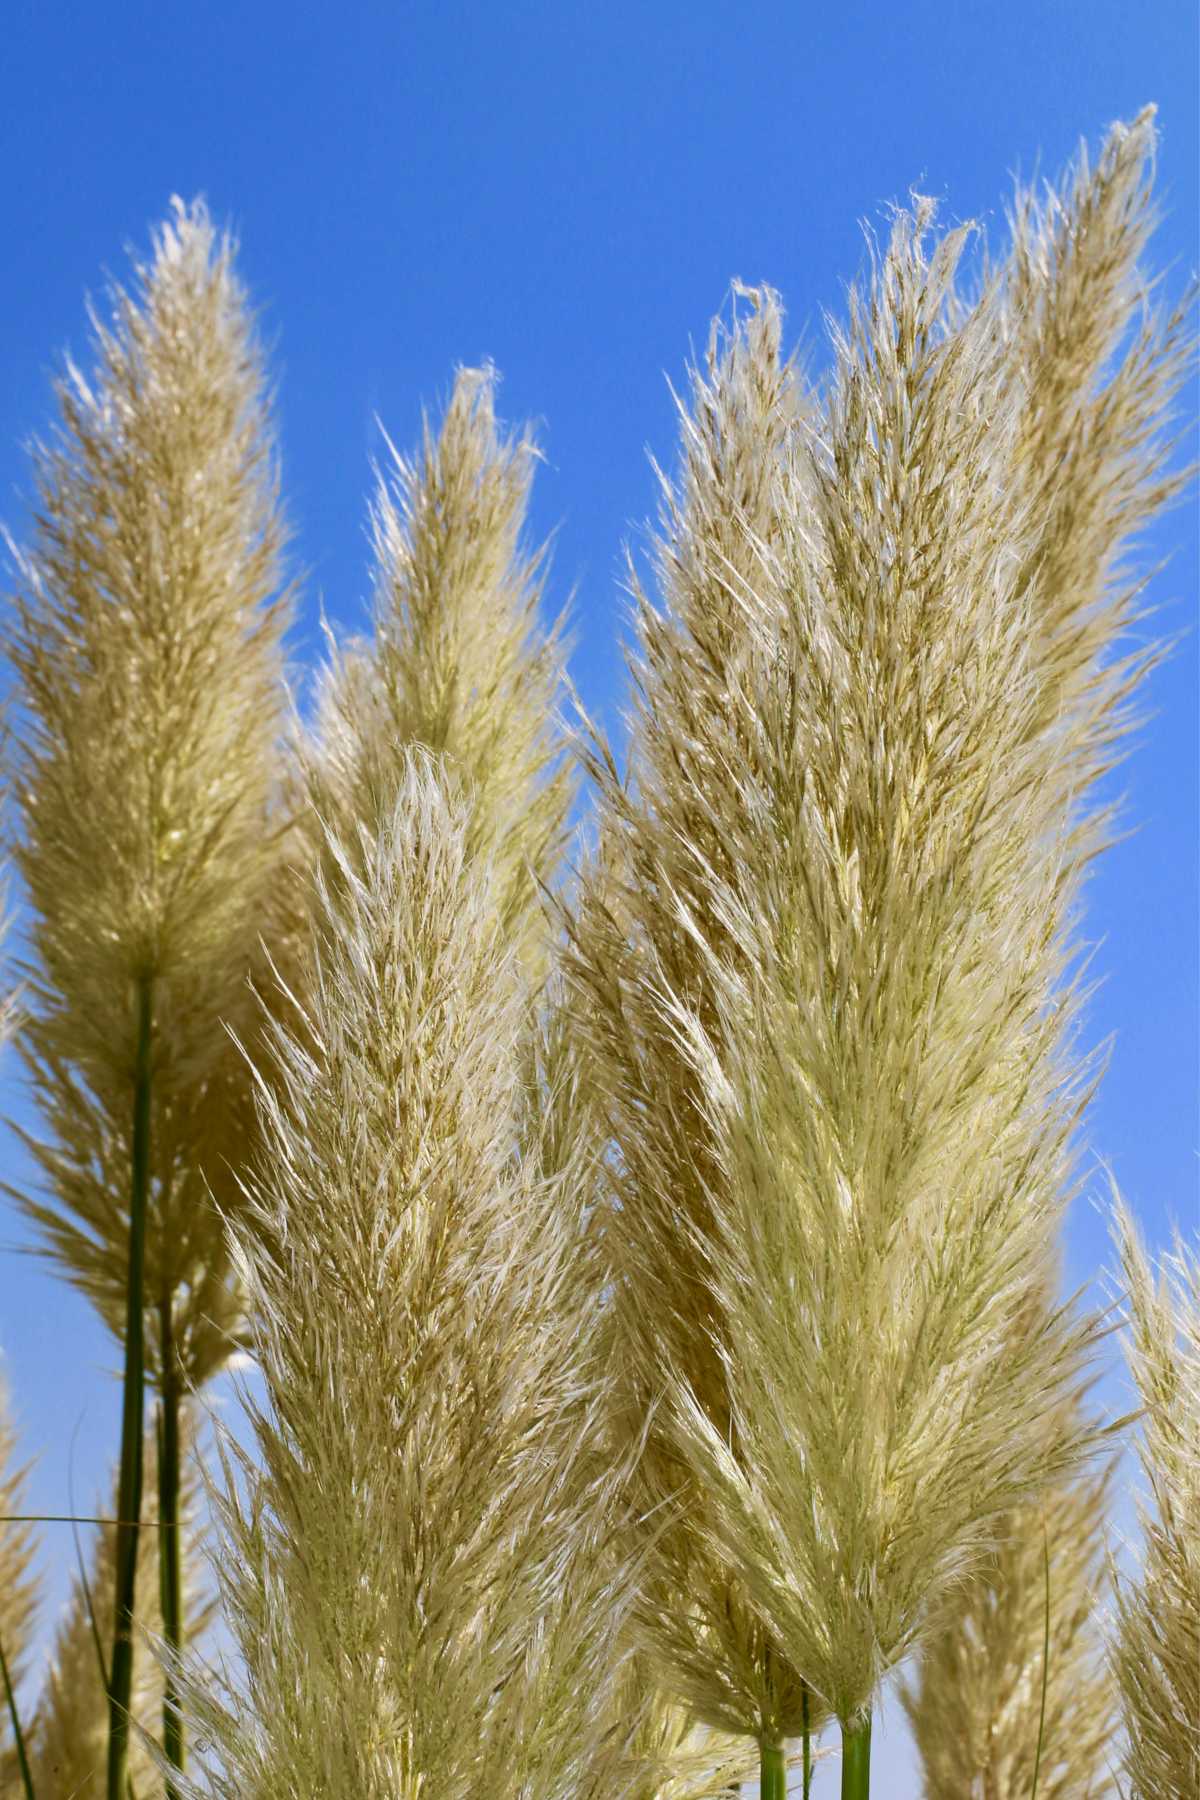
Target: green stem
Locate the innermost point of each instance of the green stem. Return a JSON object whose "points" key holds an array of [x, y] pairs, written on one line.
{"points": [[856, 1758], [772, 1778], [806, 1730], [129, 1503], [169, 1571], [22, 1759]]}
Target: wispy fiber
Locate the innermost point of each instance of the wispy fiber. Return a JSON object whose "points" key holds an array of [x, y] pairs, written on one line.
{"points": [[1156, 1650], [694, 734], [420, 1579]]}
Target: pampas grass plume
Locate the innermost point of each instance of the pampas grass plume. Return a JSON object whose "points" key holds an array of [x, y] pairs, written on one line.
{"points": [[1156, 1647], [458, 662], [420, 1577], [147, 649]]}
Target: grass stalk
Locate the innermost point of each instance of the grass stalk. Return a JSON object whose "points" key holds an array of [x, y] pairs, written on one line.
{"points": [[772, 1780], [856, 1758], [169, 1564], [129, 1508], [806, 1740], [22, 1759]]}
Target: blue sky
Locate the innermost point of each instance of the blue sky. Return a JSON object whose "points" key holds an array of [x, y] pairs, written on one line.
{"points": [[568, 190]]}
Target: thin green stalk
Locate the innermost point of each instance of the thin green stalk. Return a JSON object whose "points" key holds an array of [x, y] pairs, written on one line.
{"points": [[84, 1583], [74, 1519], [22, 1759], [806, 1735], [772, 1779], [129, 1505], [1037, 1761], [856, 1758], [169, 1570]]}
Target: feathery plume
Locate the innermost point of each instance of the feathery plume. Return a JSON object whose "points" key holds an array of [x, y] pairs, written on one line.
{"points": [[458, 663], [420, 1579], [1099, 367], [696, 740], [1156, 1649], [976, 1708], [836, 1038], [665, 1753], [147, 651]]}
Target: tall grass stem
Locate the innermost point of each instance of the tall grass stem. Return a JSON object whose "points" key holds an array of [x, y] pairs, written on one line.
{"points": [[772, 1782], [22, 1759], [806, 1738], [129, 1506], [856, 1758], [169, 1570]]}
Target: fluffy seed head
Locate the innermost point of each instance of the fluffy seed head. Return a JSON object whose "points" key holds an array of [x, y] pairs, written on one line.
{"points": [[826, 988], [147, 651], [421, 1576], [977, 1703], [458, 663], [1156, 1649]]}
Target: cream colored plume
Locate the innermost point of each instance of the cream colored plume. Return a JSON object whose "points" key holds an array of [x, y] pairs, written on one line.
{"points": [[421, 1578], [1156, 1646], [695, 738], [146, 644], [458, 662], [976, 1706], [1099, 364], [649, 1742], [829, 1001]]}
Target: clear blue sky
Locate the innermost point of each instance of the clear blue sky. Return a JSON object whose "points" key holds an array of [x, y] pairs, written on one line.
{"points": [[568, 190]]}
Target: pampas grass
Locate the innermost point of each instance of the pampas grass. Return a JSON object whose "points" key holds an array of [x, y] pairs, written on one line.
{"points": [[1156, 1648], [826, 985], [458, 661], [987, 1703], [694, 735], [418, 1578], [653, 1277], [147, 651]]}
